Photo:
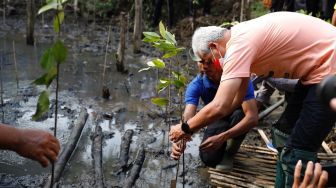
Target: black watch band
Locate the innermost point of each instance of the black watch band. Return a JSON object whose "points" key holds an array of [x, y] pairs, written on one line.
{"points": [[185, 128]]}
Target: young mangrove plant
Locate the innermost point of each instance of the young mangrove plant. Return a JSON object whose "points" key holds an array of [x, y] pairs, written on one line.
{"points": [[50, 63], [166, 43]]}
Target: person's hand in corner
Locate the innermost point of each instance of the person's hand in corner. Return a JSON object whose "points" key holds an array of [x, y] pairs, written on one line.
{"points": [[314, 176], [38, 145]]}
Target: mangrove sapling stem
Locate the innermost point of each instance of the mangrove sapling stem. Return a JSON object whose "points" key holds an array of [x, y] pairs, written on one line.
{"points": [[56, 102], [16, 72], [70, 147]]}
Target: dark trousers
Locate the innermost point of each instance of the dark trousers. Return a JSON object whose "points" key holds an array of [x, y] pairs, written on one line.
{"points": [[211, 159], [307, 122], [309, 119]]}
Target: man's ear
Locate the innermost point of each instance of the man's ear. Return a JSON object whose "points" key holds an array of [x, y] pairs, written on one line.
{"points": [[212, 45]]}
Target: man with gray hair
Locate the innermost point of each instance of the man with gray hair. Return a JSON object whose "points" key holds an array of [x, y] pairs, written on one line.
{"points": [[280, 45]]}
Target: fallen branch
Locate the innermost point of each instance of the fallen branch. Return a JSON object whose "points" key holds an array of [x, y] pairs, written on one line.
{"points": [[97, 157], [124, 149], [135, 171], [70, 147]]}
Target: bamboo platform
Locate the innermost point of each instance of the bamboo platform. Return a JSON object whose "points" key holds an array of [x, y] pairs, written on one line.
{"points": [[254, 167]]}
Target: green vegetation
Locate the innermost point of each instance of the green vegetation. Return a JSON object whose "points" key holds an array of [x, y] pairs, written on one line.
{"points": [[51, 59], [258, 9], [166, 43]]}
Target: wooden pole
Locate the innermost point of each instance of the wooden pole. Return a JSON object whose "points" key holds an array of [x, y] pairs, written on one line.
{"points": [[97, 157], [4, 12], [271, 109], [137, 26], [67, 151], [16, 72], [106, 91], [242, 5], [30, 22], [121, 47], [1, 88]]}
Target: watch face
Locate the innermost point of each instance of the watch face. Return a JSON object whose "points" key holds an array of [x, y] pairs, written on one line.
{"points": [[185, 128]]}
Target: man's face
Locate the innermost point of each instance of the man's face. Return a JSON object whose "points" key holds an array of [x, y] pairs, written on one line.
{"points": [[207, 66]]}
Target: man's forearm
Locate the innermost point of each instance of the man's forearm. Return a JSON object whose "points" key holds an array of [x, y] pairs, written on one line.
{"points": [[207, 115], [9, 137]]}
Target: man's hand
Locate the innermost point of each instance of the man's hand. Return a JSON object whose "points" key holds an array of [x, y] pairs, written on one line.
{"points": [[314, 177], [176, 134], [213, 143], [177, 150], [38, 145]]}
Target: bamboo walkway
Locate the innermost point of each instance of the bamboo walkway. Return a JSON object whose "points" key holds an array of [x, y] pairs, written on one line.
{"points": [[254, 167]]}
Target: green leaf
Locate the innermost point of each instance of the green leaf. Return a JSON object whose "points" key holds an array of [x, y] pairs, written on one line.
{"points": [[162, 29], [150, 40], [151, 35], [160, 101], [178, 84], [162, 86], [144, 69], [164, 80], [58, 20], [47, 78], [183, 79], [50, 5], [47, 61], [176, 74], [164, 83], [42, 105], [171, 38], [165, 46], [159, 63], [169, 54], [59, 51]]}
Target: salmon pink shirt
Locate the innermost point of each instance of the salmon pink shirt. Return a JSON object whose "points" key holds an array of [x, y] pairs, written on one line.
{"points": [[281, 45]]}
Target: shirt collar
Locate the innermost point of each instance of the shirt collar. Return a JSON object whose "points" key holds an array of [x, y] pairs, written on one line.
{"points": [[208, 83]]}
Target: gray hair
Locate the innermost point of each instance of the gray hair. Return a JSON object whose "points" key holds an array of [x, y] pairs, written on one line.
{"points": [[203, 36]]}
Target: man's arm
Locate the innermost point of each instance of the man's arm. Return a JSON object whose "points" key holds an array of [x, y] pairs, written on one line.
{"points": [[248, 122], [219, 107], [34, 144], [189, 111], [229, 91]]}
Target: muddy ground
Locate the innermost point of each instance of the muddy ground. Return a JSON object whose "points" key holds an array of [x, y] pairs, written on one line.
{"points": [[80, 83]]}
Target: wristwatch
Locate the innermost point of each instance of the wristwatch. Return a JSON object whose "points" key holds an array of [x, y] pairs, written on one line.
{"points": [[185, 128]]}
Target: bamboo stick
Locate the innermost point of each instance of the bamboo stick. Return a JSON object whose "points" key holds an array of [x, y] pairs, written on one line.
{"points": [[15, 67]]}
